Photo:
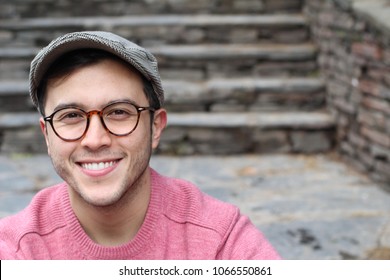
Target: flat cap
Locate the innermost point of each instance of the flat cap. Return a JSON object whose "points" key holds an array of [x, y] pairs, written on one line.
{"points": [[140, 58]]}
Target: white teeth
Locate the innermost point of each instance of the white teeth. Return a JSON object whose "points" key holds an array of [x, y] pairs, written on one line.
{"points": [[97, 166]]}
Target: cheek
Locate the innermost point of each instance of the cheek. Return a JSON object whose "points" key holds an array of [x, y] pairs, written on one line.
{"points": [[144, 129], [137, 142], [58, 149]]}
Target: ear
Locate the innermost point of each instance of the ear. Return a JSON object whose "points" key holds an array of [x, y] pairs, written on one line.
{"points": [[43, 126], [159, 123]]}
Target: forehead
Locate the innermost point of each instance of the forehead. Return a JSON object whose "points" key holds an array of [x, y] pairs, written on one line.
{"points": [[96, 85]]}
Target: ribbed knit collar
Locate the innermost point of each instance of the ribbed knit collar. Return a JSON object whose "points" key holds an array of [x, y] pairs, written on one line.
{"points": [[88, 249]]}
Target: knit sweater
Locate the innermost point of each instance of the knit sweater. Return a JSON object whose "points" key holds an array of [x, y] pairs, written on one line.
{"points": [[181, 223]]}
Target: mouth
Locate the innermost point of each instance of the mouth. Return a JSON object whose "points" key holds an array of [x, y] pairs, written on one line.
{"points": [[96, 166]]}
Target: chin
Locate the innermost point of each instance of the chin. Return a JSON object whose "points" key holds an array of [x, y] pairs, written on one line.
{"points": [[101, 202], [98, 196]]}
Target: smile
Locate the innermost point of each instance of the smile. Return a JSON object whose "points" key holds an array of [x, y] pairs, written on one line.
{"points": [[95, 166]]}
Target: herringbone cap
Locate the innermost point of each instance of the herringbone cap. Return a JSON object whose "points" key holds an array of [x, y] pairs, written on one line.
{"points": [[140, 58]]}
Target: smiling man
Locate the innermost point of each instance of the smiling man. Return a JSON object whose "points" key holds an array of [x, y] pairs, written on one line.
{"points": [[101, 100]]}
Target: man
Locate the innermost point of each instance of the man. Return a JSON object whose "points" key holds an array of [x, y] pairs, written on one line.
{"points": [[101, 101]]}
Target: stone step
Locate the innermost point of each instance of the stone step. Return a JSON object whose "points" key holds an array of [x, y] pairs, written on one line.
{"points": [[204, 133], [59, 9], [235, 60], [240, 95], [14, 96], [200, 61], [162, 29], [239, 133], [214, 95]]}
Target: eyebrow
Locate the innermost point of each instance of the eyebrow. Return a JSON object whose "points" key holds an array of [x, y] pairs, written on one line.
{"points": [[121, 100], [67, 105], [81, 106]]}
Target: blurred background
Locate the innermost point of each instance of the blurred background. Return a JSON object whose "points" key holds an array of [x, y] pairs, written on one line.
{"points": [[279, 106]]}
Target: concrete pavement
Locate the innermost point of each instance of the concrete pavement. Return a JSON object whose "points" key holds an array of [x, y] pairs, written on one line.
{"points": [[309, 207]]}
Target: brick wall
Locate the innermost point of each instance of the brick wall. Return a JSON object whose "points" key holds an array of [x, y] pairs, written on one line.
{"points": [[354, 57]]}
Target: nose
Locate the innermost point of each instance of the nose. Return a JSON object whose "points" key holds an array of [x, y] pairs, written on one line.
{"points": [[96, 136]]}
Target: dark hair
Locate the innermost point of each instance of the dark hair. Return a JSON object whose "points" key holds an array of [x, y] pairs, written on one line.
{"points": [[73, 60]]}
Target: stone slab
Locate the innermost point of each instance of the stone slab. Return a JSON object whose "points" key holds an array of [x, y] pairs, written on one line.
{"points": [[310, 207]]}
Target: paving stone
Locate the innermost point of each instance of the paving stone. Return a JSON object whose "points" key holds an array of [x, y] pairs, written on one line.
{"points": [[13, 203], [309, 207]]}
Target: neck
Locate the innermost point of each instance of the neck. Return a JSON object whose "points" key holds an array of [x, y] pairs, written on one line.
{"points": [[116, 224]]}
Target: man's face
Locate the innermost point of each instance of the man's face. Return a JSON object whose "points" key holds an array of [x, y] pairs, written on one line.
{"points": [[121, 162]]}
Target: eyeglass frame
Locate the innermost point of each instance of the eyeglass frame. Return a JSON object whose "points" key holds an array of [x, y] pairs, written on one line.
{"points": [[89, 114]]}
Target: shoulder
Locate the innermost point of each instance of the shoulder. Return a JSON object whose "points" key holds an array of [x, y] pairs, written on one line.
{"points": [[235, 234], [40, 217], [183, 202]]}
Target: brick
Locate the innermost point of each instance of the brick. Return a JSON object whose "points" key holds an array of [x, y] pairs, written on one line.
{"points": [[5, 36], [325, 33], [284, 68], [356, 97], [335, 19], [386, 78], [182, 74], [228, 107], [248, 5], [369, 86], [367, 50], [172, 134], [357, 140], [366, 159], [343, 121], [185, 6], [375, 89], [338, 89], [341, 134], [194, 35], [376, 73], [384, 92], [271, 141], [372, 119], [220, 141], [376, 104], [376, 136], [29, 140], [310, 142], [380, 152], [241, 35], [386, 57], [388, 125], [14, 70], [344, 106], [290, 36], [282, 5], [355, 163], [383, 168], [341, 77], [344, 64], [380, 178], [347, 148]]}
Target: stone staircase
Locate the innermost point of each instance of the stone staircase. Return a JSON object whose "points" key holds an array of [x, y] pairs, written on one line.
{"points": [[235, 82]]}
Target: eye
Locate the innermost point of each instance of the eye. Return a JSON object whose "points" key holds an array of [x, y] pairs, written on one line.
{"points": [[72, 116], [121, 112], [69, 116]]}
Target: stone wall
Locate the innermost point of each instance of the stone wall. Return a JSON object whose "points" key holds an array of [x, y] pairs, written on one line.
{"points": [[66, 8], [354, 56]]}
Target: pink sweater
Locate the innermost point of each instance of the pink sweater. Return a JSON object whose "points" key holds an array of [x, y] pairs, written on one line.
{"points": [[181, 223]]}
